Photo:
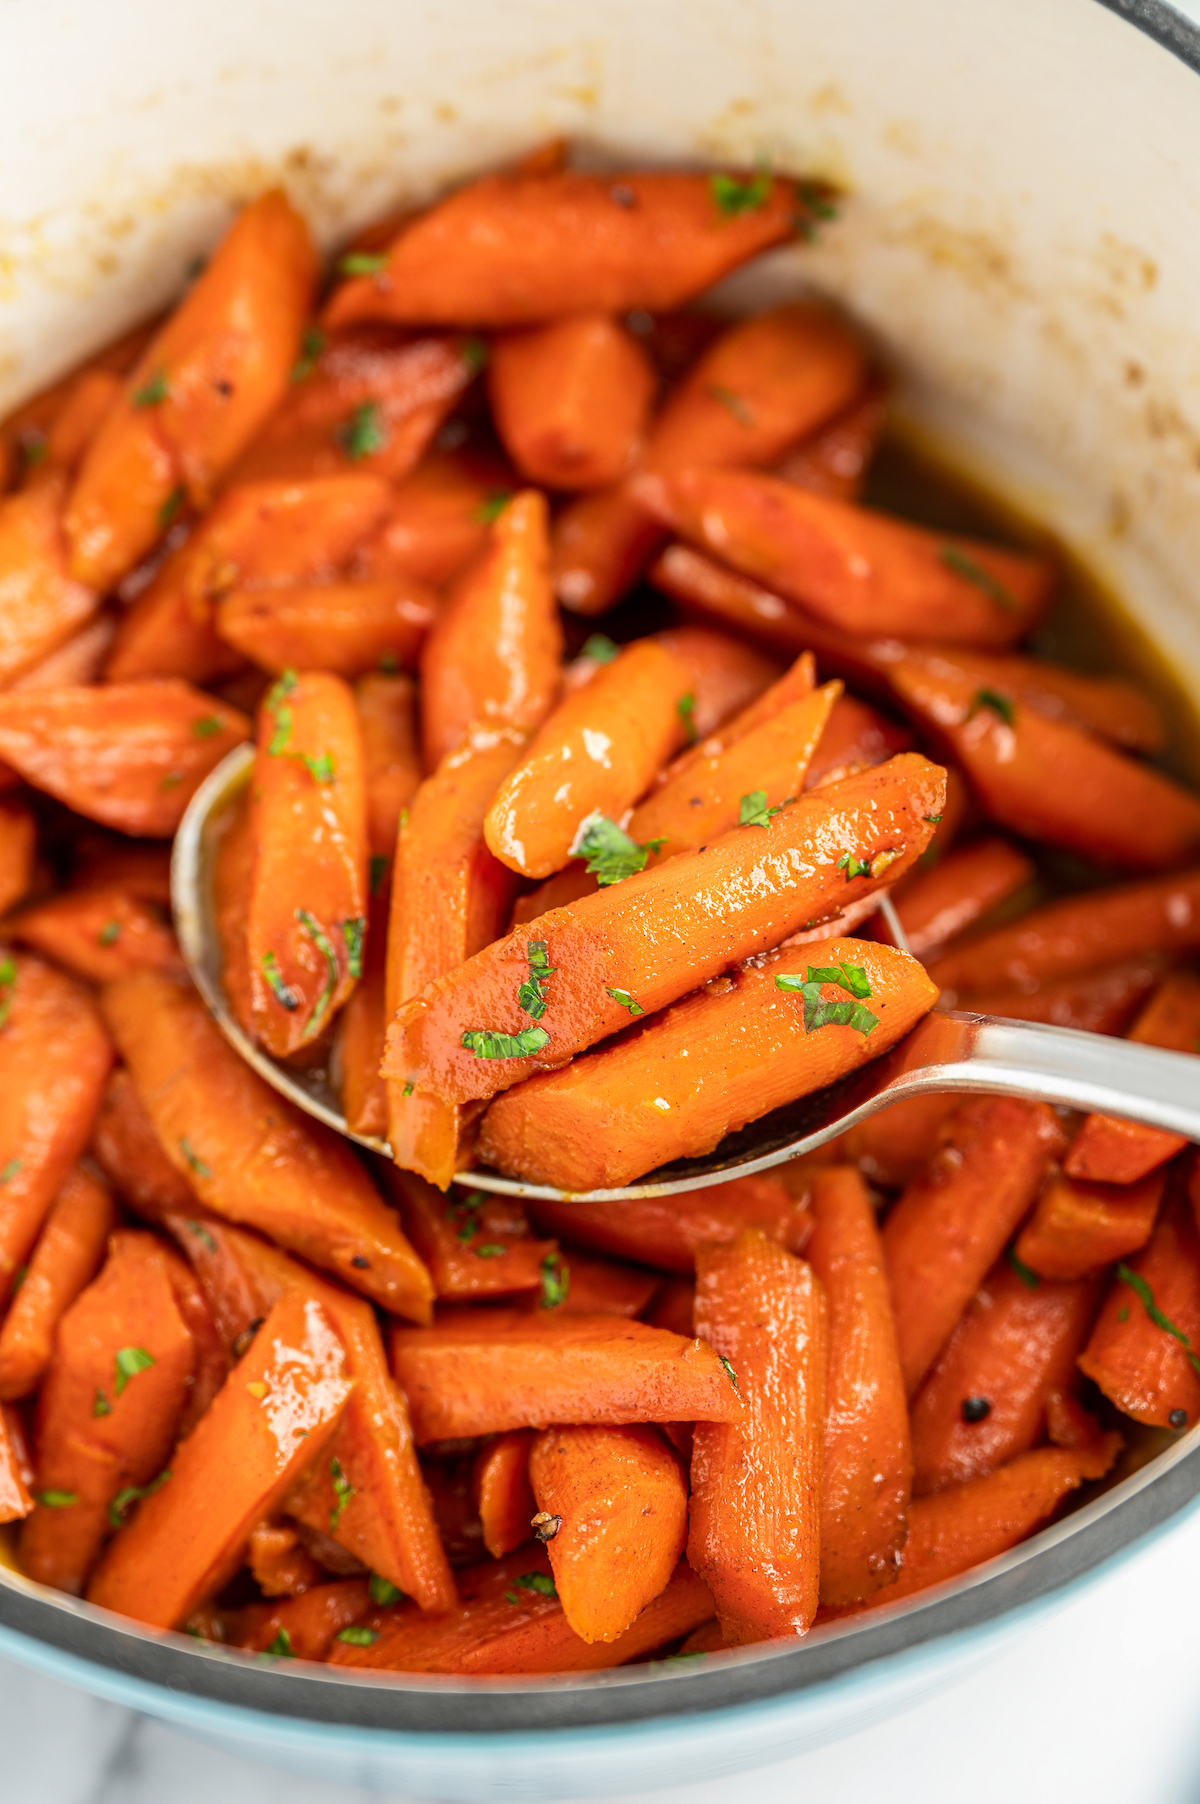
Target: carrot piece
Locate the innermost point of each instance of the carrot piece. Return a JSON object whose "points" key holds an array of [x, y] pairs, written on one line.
{"points": [[249, 1155], [99, 934], [585, 1285], [674, 1308], [212, 1357], [54, 1059], [275, 1414], [16, 1476], [387, 719], [939, 904], [41, 604], [665, 1231], [18, 850], [306, 919], [651, 938], [129, 755], [675, 1087], [233, 875], [856, 738], [279, 1562], [303, 1627], [614, 733], [65, 1259], [891, 1147], [835, 458], [476, 1246], [129, 1152], [107, 1411], [513, 250], [482, 1371], [24, 432], [600, 543], [80, 659], [1112, 1151], [721, 595], [570, 400], [439, 518], [502, 1492], [725, 675], [755, 1528], [1078, 1226], [1111, 707], [797, 681], [348, 628], [621, 1502], [363, 1023], [1099, 1002], [199, 392], [984, 1402], [1142, 1352], [450, 898], [955, 1217], [494, 652], [84, 407], [161, 635], [868, 1458]]}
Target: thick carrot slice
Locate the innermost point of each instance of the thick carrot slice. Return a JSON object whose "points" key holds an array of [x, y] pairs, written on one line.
{"points": [[1143, 1350], [279, 1562], [129, 1152], [129, 755], [677, 1085], [964, 886], [651, 939], [482, 1371], [955, 1217], [835, 458], [868, 1460], [54, 1059], [307, 913], [620, 1501], [1079, 1227], [513, 250], [212, 1357], [570, 400], [387, 718], [99, 934], [68, 1252], [450, 898], [476, 1246], [24, 433], [348, 628], [108, 1409], [1111, 707], [502, 1491], [100, 858], [439, 518], [363, 1023], [1111, 1151], [16, 1475], [18, 849], [601, 541], [665, 1231], [41, 604], [856, 738], [249, 1155], [755, 1531], [984, 1402], [583, 1284], [304, 1627], [198, 394], [674, 1306], [275, 1414]]}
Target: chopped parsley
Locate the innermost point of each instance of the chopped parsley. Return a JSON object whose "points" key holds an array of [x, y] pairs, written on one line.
{"points": [[599, 648], [209, 727], [685, 707], [343, 1491], [556, 1281], [958, 561], [202, 1234], [625, 1000], [491, 1251], [118, 1509], [532, 996], [474, 354], [532, 1581], [311, 346], [109, 934], [320, 940], [734, 194], [753, 810], [1025, 1273], [280, 713], [408, 1089], [362, 263], [102, 1406], [999, 705], [610, 853], [170, 508], [817, 200], [831, 1014], [487, 1045], [172, 780], [364, 433], [128, 1363], [281, 1647], [490, 509], [357, 1635], [8, 983], [321, 769], [934, 820], [194, 1161], [729, 1372], [354, 932], [1142, 1291], [732, 402], [56, 1500], [377, 871], [853, 866], [283, 993], [152, 393], [388, 663], [382, 1590]]}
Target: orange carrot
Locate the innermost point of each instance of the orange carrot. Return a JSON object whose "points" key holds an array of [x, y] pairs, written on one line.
{"points": [[18, 849], [100, 858], [570, 400], [1142, 1352], [249, 1155], [275, 1414], [797, 681], [24, 432], [585, 1285], [954, 1218], [304, 1627], [674, 1306], [600, 543], [16, 1474], [652, 938], [1079, 1227], [80, 659], [41, 604], [306, 919], [363, 1022], [54, 1059], [502, 1491], [212, 1357], [665, 1231], [725, 675], [108, 1409], [891, 1147], [476, 1246], [391, 763], [233, 875], [347, 628], [939, 904], [856, 738], [834, 459], [482, 1371], [86, 404], [198, 394], [755, 1527], [984, 1402], [1111, 707], [99, 934], [674, 1087], [65, 1258], [868, 1460], [1112, 1151], [129, 1152], [279, 1562], [513, 250], [439, 518], [620, 1503], [129, 755]]}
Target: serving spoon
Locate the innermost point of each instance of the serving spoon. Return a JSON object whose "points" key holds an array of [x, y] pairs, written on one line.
{"points": [[948, 1051]]}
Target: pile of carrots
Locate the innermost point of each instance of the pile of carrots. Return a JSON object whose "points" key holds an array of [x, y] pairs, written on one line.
{"points": [[594, 714]]}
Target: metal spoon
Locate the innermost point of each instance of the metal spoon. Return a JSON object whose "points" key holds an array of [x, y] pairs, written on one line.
{"points": [[946, 1051]]}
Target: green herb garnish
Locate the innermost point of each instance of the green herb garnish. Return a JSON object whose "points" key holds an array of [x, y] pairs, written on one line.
{"points": [[321, 769], [170, 508], [732, 402], [491, 1251], [202, 1234], [358, 1636], [734, 194], [487, 1045], [128, 1363], [610, 853], [282, 716], [382, 1590], [209, 727], [491, 509], [556, 1281], [599, 648], [729, 1372], [685, 707], [102, 1406], [831, 1014], [966, 567], [119, 1506], [343, 1491], [354, 932], [311, 346], [1025, 1273], [283, 993], [362, 263], [56, 1500], [194, 1161], [152, 393], [365, 432], [933, 819], [408, 1089], [625, 1000], [320, 940], [853, 866], [1141, 1290], [109, 933], [474, 354], [532, 996], [999, 704], [8, 981], [281, 1647], [532, 1581], [753, 810]]}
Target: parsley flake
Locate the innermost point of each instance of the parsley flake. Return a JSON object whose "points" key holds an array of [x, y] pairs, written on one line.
{"points": [[625, 1000], [209, 727], [1142, 1291], [194, 1161], [999, 705], [753, 810], [599, 648], [102, 1406], [343, 1491], [818, 1013], [170, 508], [362, 263], [408, 1089], [685, 707], [354, 932], [1025, 1273], [311, 346], [491, 509], [491, 1251], [109, 933], [8, 983], [364, 433], [934, 820], [957, 560], [474, 354], [281, 1647], [734, 194], [729, 1372], [532, 996], [382, 1590], [556, 1281], [129, 1362], [281, 714], [853, 866], [152, 393], [202, 1235], [56, 1500], [732, 402], [487, 1045], [119, 1507], [283, 993], [320, 940], [358, 1635], [533, 1581], [610, 853], [321, 769]]}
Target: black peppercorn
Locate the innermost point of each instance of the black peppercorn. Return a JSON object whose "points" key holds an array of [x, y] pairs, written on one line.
{"points": [[975, 1409]]}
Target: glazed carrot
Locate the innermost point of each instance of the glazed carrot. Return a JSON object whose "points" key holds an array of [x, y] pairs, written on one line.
{"points": [[725, 675], [513, 250], [861, 571], [41, 604], [99, 934], [1048, 779], [476, 1246], [1099, 1002], [348, 628], [1078, 1226], [80, 659], [162, 635], [362, 1025], [582, 1284], [653, 937], [54, 1059], [24, 432], [493, 655], [16, 1475], [939, 904], [306, 918], [984, 1402], [511, 1622], [755, 1529], [275, 1414], [450, 898], [212, 1360], [480, 1371], [279, 1562], [304, 1627], [108, 1409], [856, 738], [716, 1060], [834, 459], [18, 849], [129, 755], [233, 875], [76, 422], [570, 400], [674, 1306], [1111, 1151], [665, 1231], [198, 394], [391, 762], [128, 1151], [868, 1459], [65, 1258], [798, 681], [439, 518], [620, 1501], [249, 1155], [614, 734], [890, 1148], [502, 1491], [1111, 707], [1142, 1352], [955, 1216], [600, 543]]}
